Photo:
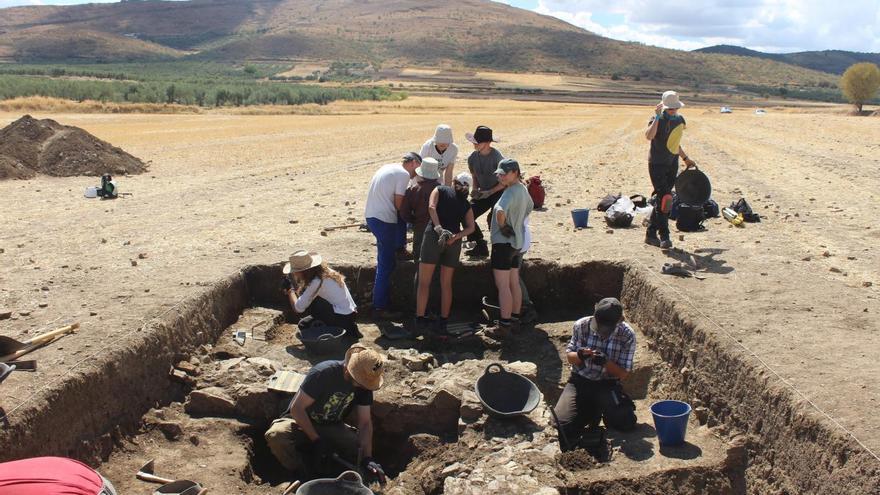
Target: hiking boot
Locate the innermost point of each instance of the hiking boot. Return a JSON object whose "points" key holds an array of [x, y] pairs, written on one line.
{"points": [[403, 255], [480, 250], [665, 243], [423, 325], [651, 239]]}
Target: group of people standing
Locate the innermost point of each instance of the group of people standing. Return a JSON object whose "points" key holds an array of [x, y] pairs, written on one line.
{"points": [[443, 208]]}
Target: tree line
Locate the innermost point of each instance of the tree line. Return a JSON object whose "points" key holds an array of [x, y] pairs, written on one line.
{"points": [[203, 94]]}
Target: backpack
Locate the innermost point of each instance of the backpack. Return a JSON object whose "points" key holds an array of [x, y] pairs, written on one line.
{"points": [[536, 190], [690, 218], [742, 206], [621, 213], [711, 209]]}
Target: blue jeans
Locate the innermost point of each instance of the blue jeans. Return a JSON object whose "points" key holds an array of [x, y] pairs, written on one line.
{"points": [[401, 234], [387, 243]]}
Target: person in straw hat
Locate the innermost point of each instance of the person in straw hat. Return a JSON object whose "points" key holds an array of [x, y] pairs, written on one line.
{"points": [[414, 209], [312, 429], [664, 130], [320, 291], [442, 148]]}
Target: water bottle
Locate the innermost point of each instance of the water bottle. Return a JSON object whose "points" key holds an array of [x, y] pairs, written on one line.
{"points": [[732, 216]]}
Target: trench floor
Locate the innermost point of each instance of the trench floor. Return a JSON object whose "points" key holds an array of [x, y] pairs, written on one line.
{"points": [[227, 455]]}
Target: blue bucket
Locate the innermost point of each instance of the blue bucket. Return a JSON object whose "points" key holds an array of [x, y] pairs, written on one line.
{"points": [[671, 421], [581, 217]]}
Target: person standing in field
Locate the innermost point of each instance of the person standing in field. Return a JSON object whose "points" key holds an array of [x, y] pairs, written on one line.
{"points": [[507, 234], [486, 190], [441, 148], [384, 199], [449, 210], [664, 131]]}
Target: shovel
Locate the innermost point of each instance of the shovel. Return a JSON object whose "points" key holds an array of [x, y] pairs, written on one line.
{"points": [[169, 486], [11, 349]]}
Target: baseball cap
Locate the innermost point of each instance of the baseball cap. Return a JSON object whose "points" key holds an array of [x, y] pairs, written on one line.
{"points": [[465, 178], [607, 313], [507, 165]]}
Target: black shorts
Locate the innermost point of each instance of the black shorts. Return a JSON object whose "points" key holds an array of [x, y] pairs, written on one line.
{"points": [[505, 257]]}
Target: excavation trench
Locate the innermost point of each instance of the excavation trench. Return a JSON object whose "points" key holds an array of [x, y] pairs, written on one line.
{"points": [[196, 401]]}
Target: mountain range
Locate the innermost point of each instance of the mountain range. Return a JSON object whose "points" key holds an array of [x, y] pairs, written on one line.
{"points": [[831, 61], [459, 34]]}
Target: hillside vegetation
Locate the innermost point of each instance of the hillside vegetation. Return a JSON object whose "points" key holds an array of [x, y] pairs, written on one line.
{"points": [[383, 33], [831, 61]]}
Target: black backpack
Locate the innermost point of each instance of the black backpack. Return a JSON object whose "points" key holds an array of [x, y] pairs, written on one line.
{"points": [[690, 218]]}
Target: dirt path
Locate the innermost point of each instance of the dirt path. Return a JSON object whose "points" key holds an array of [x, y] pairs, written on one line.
{"points": [[224, 191]]}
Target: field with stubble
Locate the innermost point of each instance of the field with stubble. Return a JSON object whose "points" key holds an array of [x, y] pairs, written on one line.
{"points": [[795, 295]]}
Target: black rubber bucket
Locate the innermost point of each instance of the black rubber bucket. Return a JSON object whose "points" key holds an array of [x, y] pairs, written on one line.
{"points": [[348, 483], [693, 187], [505, 394], [322, 340]]}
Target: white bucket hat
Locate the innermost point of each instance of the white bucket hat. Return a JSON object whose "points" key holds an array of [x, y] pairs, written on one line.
{"points": [[429, 169], [670, 100], [443, 134], [301, 261]]}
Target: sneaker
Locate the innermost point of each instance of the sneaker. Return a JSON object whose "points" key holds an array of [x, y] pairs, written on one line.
{"points": [[403, 255], [651, 239], [665, 243], [480, 250]]}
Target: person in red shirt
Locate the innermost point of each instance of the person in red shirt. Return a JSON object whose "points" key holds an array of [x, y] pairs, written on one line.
{"points": [[51, 476]]}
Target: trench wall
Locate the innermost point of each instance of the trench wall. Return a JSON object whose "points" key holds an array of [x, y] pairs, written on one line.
{"points": [[791, 448], [85, 413]]}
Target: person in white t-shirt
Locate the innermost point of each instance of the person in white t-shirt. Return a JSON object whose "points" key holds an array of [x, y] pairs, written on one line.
{"points": [[320, 291], [442, 148], [384, 199]]}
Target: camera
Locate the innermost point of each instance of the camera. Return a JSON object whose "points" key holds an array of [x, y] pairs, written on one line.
{"points": [[285, 284]]}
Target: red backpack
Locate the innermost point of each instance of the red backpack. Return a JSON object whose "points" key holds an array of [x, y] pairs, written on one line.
{"points": [[536, 190]]}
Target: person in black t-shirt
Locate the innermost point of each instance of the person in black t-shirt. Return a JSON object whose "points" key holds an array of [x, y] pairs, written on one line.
{"points": [[448, 209], [312, 429], [664, 131]]}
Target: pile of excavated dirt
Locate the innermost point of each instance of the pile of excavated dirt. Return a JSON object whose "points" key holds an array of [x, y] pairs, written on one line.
{"points": [[31, 146]]}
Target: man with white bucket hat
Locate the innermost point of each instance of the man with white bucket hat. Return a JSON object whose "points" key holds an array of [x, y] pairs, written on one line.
{"points": [[664, 130]]}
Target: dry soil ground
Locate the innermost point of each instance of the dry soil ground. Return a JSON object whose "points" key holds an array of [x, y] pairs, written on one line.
{"points": [[800, 289]]}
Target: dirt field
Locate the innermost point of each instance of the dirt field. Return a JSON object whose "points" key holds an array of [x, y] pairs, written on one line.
{"points": [[799, 290]]}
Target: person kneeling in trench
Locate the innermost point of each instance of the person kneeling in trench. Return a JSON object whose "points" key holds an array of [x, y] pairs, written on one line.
{"points": [[312, 430], [601, 353], [322, 293]]}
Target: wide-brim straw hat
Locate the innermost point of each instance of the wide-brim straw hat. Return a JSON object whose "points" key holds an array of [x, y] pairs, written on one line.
{"points": [[301, 261], [429, 169], [366, 366], [670, 100]]}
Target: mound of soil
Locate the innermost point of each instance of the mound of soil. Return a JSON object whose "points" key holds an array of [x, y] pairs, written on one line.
{"points": [[30, 146], [577, 460]]}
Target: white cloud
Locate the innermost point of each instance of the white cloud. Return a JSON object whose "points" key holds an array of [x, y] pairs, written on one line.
{"points": [[771, 25]]}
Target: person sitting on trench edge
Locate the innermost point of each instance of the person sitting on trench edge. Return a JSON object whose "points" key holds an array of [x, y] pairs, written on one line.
{"points": [[601, 353], [305, 438], [322, 293]]}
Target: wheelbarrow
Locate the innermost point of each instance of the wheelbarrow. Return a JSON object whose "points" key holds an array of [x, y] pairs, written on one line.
{"points": [[505, 394], [348, 483]]}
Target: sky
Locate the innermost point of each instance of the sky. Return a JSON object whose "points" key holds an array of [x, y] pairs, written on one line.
{"points": [[777, 26]]}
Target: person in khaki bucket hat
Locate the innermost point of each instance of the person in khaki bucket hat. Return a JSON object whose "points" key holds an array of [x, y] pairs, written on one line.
{"points": [[309, 433]]}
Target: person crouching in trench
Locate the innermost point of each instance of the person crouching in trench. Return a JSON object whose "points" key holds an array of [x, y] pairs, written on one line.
{"points": [[311, 431], [322, 293]]}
